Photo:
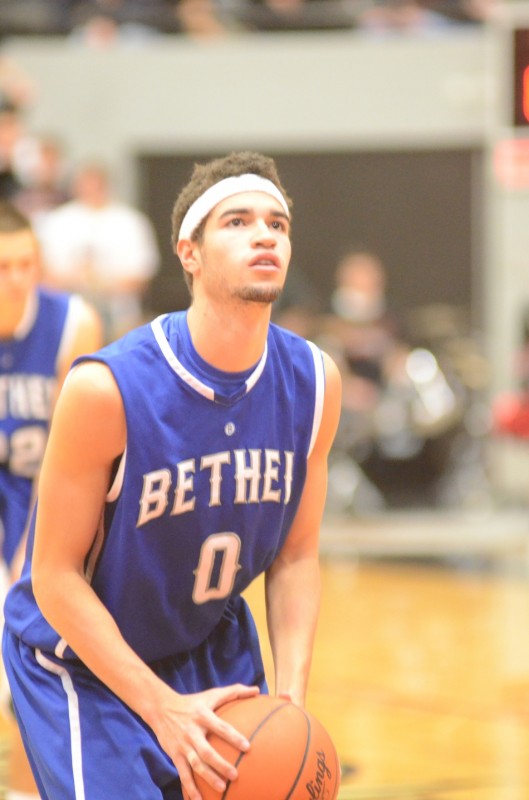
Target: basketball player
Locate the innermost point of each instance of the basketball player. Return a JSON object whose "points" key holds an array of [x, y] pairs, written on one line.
{"points": [[184, 460], [41, 333]]}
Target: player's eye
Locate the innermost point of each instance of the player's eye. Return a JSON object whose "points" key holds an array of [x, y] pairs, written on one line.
{"points": [[280, 225]]}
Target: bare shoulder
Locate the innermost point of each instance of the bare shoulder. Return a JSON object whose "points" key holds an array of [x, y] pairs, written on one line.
{"points": [[90, 394], [89, 412], [92, 383]]}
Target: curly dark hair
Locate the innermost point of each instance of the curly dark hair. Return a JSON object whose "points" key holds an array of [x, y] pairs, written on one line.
{"points": [[206, 175]]}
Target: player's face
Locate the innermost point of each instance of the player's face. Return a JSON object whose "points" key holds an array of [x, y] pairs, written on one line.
{"points": [[246, 249], [19, 269]]}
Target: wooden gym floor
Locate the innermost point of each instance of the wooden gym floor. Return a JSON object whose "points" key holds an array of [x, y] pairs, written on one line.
{"points": [[421, 666]]}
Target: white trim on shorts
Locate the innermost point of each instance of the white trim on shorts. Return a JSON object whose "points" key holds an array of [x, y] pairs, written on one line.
{"points": [[74, 718]]}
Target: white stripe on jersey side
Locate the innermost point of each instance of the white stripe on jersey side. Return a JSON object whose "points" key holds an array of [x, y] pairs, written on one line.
{"points": [[177, 366], [71, 323], [320, 393], [73, 716]]}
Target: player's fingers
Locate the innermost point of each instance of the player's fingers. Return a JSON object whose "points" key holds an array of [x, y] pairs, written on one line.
{"points": [[236, 691], [186, 779], [216, 724], [209, 765]]}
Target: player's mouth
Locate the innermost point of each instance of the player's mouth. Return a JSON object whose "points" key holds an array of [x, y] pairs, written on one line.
{"points": [[268, 261]]}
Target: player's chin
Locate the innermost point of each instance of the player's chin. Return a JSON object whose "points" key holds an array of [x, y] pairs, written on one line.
{"points": [[261, 293]]}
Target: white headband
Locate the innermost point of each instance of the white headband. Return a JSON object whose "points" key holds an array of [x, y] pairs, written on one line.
{"points": [[220, 191]]}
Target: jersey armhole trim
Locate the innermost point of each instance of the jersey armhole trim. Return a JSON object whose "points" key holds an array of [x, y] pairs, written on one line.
{"points": [[115, 489], [319, 393]]}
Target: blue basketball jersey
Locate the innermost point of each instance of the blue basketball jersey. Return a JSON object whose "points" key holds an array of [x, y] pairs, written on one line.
{"points": [[205, 493], [28, 377]]}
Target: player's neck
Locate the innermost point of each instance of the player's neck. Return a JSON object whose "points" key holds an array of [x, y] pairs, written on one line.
{"points": [[10, 319], [229, 342]]}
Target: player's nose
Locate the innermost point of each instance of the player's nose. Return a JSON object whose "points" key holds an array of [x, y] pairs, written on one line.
{"points": [[263, 233]]}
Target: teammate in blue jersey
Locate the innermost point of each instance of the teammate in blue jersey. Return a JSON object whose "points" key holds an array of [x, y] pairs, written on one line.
{"points": [[183, 461], [41, 333]]}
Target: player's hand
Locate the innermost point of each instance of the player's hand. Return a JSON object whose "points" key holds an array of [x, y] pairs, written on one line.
{"points": [[183, 727]]}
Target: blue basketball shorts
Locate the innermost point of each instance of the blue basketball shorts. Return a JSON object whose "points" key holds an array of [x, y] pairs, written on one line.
{"points": [[84, 743]]}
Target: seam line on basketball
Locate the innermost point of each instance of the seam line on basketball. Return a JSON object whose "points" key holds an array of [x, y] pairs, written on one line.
{"points": [[241, 755], [304, 760]]}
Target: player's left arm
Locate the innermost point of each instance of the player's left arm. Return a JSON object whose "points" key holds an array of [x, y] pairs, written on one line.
{"points": [[87, 338], [293, 581]]}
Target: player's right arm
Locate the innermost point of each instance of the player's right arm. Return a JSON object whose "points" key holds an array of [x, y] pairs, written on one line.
{"points": [[87, 434]]}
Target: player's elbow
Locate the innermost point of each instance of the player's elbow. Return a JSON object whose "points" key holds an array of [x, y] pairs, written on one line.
{"points": [[42, 583], [48, 588]]}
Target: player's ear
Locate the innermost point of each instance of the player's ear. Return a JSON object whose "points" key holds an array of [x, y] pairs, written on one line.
{"points": [[187, 252]]}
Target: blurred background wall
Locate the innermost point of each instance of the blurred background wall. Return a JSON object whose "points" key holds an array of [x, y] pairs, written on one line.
{"points": [[405, 144]]}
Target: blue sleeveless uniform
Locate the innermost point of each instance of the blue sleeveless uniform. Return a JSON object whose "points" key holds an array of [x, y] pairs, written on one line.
{"points": [[28, 370], [202, 502]]}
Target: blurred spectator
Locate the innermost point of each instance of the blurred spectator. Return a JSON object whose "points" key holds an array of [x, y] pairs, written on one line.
{"points": [[200, 19], [105, 250], [285, 15], [45, 183], [470, 12], [397, 400], [97, 31], [17, 150], [389, 17], [364, 336], [10, 133], [16, 87], [34, 17], [99, 23]]}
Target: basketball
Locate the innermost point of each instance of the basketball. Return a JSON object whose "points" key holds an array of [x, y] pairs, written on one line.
{"points": [[291, 756]]}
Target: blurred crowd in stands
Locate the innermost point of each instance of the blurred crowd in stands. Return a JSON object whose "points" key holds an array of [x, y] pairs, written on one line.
{"points": [[99, 22], [413, 402], [414, 420], [91, 242], [406, 400]]}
